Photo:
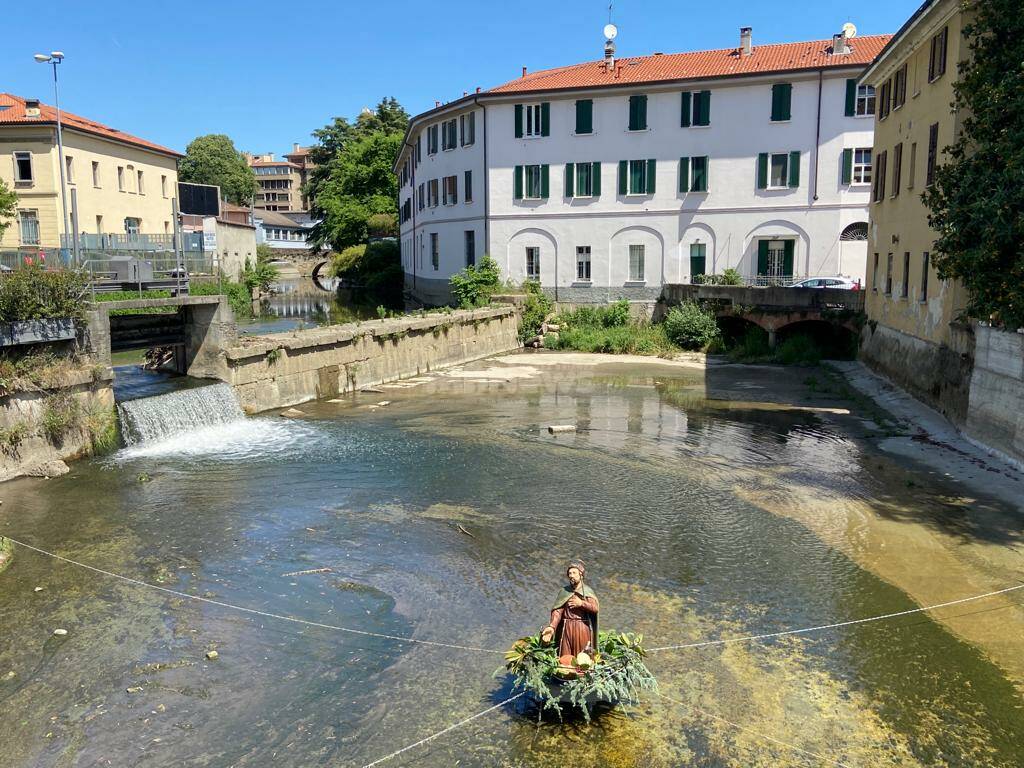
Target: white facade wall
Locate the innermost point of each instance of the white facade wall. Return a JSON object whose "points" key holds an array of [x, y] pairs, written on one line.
{"points": [[729, 218]]}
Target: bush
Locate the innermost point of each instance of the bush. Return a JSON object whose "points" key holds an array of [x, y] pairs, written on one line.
{"points": [[33, 293], [731, 277], [632, 339], [616, 314], [798, 350], [753, 347], [376, 267], [474, 285], [536, 308], [128, 295], [61, 416], [261, 276], [239, 296], [691, 326]]}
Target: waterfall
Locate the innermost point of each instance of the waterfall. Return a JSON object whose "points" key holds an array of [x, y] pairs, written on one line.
{"points": [[157, 418]]}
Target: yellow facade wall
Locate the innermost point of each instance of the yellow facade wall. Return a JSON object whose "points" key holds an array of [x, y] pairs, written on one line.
{"points": [[101, 196]]}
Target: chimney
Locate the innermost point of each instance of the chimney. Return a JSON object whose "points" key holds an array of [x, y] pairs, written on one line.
{"points": [[839, 45], [746, 41], [524, 71], [295, 146], [609, 54], [31, 107]]}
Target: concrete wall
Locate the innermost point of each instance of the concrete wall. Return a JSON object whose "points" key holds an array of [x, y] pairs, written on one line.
{"points": [[235, 244], [285, 369], [995, 414]]}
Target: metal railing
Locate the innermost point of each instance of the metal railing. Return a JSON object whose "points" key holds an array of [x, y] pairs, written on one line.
{"points": [[141, 243], [762, 281]]}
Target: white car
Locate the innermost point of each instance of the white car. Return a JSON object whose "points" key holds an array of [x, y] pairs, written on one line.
{"points": [[840, 283]]}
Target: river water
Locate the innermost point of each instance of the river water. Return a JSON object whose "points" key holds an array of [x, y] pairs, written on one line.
{"points": [[704, 504]]}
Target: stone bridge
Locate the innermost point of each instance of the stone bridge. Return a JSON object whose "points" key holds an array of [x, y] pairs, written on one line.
{"points": [[775, 308]]}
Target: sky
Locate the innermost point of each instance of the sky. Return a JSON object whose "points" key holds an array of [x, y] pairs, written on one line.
{"points": [[269, 73]]}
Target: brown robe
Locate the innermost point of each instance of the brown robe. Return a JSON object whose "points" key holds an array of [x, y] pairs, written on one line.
{"points": [[574, 627]]}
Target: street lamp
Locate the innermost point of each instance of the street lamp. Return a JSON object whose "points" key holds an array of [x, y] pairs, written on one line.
{"points": [[56, 57]]}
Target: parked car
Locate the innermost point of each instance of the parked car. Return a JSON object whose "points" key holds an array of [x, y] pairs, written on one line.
{"points": [[841, 283]]}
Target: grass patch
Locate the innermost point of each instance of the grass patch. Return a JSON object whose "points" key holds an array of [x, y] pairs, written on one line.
{"points": [[35, 370], [609, 329], [12, 437], [104, 430], [133, 295], [62, 415]]}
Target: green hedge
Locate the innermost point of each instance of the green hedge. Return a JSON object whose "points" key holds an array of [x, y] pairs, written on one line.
{"points": [[33, 293]]}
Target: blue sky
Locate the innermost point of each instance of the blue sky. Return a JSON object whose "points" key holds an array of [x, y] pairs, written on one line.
{"points": [[269, 73]]}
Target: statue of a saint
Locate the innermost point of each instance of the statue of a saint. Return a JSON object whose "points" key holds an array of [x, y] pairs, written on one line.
{"points": [[573, 624]]}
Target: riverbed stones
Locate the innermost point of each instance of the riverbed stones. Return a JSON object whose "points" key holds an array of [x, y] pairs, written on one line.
{"points": [[48, 469], [60, 632], [292, 413], [212, 655], [557, 429]]}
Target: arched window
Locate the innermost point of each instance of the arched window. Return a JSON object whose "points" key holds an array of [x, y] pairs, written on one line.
{"points": [[856, 231]]}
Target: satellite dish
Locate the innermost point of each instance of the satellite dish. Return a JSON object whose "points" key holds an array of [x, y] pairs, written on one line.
{"points": [[850, 29], [610, 31]]}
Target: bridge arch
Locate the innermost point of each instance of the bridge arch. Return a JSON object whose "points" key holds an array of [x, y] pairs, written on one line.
{"points": [[835, 340], [315, 274]]}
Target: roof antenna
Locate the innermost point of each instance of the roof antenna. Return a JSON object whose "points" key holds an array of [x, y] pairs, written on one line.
{"points": [[610, 31]]}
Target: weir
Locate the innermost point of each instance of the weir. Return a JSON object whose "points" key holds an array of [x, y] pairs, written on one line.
{"points": [[156, 418]]}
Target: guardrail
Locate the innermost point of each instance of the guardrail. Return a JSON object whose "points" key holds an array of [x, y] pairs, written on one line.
{"points": [[139, 243]]}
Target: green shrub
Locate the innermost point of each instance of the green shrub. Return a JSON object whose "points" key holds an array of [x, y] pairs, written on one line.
{"points": [[33, 293], [61, 416], [632, 339], [691, 326], [376, 267], [731, 277], [261, 276], [239, 296], [753, 347], [536, 308], [474, 285], [798, 350], [597, 317], [129, 295]]}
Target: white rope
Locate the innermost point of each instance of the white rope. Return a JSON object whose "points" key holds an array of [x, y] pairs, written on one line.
{"points": [[836, 625], [764, 736], [243, 609], [450, 728]]}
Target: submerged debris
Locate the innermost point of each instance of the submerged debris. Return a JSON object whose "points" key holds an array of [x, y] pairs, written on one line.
{"points": [[555, 429]]}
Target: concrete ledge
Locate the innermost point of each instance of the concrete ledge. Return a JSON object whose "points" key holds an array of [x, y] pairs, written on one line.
{"points": [[182, 301]]}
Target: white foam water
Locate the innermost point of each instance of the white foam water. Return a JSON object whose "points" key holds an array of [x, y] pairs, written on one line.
{"points": [[157, 418]]}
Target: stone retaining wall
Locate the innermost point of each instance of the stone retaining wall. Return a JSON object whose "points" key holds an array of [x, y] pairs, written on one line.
{"points": [[995, 414], [284, 369]]}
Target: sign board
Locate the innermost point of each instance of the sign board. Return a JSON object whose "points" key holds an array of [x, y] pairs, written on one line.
{"points": [[209, 234], [198, 199]]}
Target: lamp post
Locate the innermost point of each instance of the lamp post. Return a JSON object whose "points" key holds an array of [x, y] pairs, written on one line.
{"points": [[55, 58]]}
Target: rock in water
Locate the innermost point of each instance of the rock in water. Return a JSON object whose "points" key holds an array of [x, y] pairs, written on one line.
{"points": [[47, 469], [60, 632], [212, 655], [292, 413], [556, 429]]}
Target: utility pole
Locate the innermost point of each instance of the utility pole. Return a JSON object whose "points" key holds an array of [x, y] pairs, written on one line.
{"points": [[55, 58]]}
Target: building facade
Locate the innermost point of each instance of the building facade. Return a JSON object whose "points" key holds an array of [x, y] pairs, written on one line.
{"points": [[299, 156], [913, 335], [279, 183], [608, 179], [123, 185]]}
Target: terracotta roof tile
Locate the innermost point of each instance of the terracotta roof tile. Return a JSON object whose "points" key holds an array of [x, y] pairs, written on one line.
{"points": [[12, 112], [697, 65]]}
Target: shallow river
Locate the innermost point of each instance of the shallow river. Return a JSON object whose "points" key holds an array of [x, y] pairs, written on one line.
{"points": [[448, 516]]}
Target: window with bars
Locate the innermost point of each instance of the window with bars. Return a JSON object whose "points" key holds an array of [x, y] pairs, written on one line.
{"points": [[28, 224], [583, 263]]}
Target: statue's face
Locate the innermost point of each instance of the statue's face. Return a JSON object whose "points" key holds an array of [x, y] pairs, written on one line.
{"points": [[575, 577]]}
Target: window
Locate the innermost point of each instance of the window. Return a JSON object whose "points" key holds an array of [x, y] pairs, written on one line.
{"points": [[132, 226], [905, 285], [899, 88], [885, 99], [937, 55], [638, 113], [583, 179], [695, 109], [699, 175], [163, 185], [531, 182], [432, 139], [23, 168], [435, 252], [865, 100], [142, 187], [933, 151], [775, 258], [878, 175], [95, 173], [467, 192], [874, 275], [698, 261], [533, 119], [422, 196], [913, 165], [28, 222], [120, 178], [419, 148], [636, 263], [449, 130], [583, 263], [778, 170], [450, 190], [857, 166], [584, 116], [99, 225], [636, 177], [782, 98], [467, 129], [888, 274], [897, 168], [924, 276], [470, 236], [432, 192], [533, 263], [69, 169]]}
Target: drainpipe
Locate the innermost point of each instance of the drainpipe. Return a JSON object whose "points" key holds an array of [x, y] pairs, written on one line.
{"points": [[817, 136], [487, 179]]}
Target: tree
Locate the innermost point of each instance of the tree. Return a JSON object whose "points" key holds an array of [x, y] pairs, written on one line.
{"points": [[976, 202], [8, 206], [213, 159]]}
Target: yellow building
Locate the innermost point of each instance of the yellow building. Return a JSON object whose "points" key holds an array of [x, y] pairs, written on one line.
{"points": [[915, 335], [124, 185], [299, 156], [279, 183]]}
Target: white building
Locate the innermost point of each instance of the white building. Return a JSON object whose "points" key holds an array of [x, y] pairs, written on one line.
{"points": [[609, 178]]}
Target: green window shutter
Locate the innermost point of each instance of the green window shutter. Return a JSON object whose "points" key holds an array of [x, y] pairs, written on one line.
{"points": [[585, 116], [595, 179], [652, 167], [781, 101], [544, 181], [762, 171], [545, 119], [570, 178], [851, 96], [787, 257], [684, 109], [847, 166], [700, 174], [643, 112], [702, 114], [762, 257], [519, 121], [684, 174], [517, 183], [633, 109], [794, 169], [623, 168]]}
